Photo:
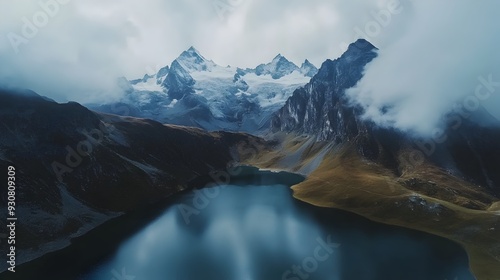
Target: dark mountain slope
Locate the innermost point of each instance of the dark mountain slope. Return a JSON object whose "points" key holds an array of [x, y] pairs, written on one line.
{"points": [[76, 169], [322, 109]]}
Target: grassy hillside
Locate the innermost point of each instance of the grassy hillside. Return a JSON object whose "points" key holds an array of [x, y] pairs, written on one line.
{"points": [[424, 198]]}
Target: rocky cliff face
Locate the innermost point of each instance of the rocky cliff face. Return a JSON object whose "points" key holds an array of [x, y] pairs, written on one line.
{"points": [[178, 81], [278, 68], [320, 107], [194, 91], [308, 69]]}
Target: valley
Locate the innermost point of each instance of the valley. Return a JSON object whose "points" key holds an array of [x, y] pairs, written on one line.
{"points": [[426, 199], [250, 227], [83, 169]]}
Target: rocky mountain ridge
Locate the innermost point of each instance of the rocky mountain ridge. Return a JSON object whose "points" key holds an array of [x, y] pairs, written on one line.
{"points": [[195, 91], [76, 168], [321, 109]]}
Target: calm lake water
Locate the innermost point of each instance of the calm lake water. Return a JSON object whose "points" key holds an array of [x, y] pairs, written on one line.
{"points": [[253, 229]]}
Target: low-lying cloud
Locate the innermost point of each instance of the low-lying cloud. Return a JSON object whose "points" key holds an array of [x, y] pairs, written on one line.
{"points": [[445, 59], [433, 54], [74, 50]]}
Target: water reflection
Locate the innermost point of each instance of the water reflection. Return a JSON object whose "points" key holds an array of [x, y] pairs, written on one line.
{"points": [[259, 232]]}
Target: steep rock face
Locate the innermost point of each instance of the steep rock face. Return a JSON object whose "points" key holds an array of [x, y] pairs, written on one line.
{"points": [[76, 169], [308, 69], [37, 132], [322, 110], [277, 68], [320, 107], [193, 61], [471, 151], [195, 91], [178, 81]]}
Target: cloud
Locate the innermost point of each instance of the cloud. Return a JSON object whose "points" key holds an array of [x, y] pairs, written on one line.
{"points": [[82, 46], [431, 52], [65, 54], [445, 52]]}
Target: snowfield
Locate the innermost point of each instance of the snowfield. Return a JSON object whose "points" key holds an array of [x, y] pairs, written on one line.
{"points": [[227, 98]]}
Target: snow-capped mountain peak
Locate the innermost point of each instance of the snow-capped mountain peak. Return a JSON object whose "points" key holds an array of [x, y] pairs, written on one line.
{"points": [[279, 67], [308, 69], [192, 61], [194, 91], [278, 57]]}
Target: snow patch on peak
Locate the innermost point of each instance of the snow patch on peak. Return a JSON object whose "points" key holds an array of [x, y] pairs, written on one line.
{"points": [[193, 50], [192, 61], [148, 83], [278, 57], [173, 103], [195, 91], [277, 68], [308, 69]]}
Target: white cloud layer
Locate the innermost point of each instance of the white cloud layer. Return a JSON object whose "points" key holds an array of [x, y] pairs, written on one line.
{"points": [[432, 52], [434, 66], [83, 45]]}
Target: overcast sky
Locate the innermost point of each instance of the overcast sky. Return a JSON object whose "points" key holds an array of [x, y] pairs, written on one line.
{"points": [[445, 59], [85, 44], [431, 51]]}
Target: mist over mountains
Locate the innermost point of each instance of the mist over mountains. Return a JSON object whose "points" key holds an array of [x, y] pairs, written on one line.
{"points": [[387, 109], [307, 117], [195, 91], [444, 63]]}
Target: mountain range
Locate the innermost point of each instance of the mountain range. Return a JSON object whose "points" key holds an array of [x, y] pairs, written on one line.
{"points": [[77, 168], [83, 167], [323, 110], [195, 91]]}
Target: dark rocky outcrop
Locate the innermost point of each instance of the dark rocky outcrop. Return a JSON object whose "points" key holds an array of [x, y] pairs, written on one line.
{"points": [[76, 168], [321, 109]]}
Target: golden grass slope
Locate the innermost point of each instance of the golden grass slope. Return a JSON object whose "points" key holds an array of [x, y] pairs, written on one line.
{"points": [[424, 198]]}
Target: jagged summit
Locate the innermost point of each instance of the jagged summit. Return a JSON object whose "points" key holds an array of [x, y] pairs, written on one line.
{"points": [[279, 67], [192, 60], [192, 49], [278, 57], [358, 48], [191, 52], [195, 91], [362, 43], [305, 112], [308, 69]]}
